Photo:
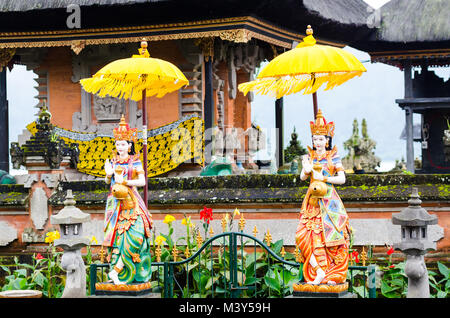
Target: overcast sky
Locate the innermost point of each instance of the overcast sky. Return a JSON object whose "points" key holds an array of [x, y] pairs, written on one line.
{"points": [[371, 96]]}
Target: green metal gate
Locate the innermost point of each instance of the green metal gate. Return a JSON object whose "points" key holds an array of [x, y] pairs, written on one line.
{"points": [[235, 264]]}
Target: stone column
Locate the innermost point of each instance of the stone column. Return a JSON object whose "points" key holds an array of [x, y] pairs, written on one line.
{"points": [[409, 118]]}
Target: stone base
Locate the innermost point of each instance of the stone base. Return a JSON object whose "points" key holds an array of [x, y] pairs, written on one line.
{"points": [[321, 290], [109, 289]]}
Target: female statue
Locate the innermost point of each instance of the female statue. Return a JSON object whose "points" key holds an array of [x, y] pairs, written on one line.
{"points": [[127, 220], [323, 231]]}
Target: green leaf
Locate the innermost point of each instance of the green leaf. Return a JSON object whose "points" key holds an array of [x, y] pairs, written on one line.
{"points": [[360, 290], [6, 269], [441, 294], [19, 283], [273, 283], [39, 278], [443, 270], [447, 285], [276, 247], [22, 272]]}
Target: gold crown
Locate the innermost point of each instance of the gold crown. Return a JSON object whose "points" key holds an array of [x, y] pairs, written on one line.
{"points": [[321, 127], [124, 132]]}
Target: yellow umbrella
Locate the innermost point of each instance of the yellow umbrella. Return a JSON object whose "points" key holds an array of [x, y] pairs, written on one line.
{"points": [[135, 78], [306, 67], [128, 78]]}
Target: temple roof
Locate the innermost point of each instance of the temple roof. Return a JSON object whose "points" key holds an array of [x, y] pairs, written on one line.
{"points": [[339, 22], [416, 30], [415, 21], [31, 5]]}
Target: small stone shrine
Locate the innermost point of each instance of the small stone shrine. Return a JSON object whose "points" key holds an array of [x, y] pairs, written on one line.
{"points": [[361, 155], [415, 243], [70, 220]]}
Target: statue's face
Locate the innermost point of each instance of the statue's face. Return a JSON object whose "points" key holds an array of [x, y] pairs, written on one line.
{"points": [[319, 142], [123, 147]]}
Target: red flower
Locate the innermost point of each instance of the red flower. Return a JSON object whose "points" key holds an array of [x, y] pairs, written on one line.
{"points": [[390, 251], [206, 214], [392, 266], [355, 256], [39, 256]]}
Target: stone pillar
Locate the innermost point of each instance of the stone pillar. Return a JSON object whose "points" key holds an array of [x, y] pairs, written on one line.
{"points": [[409, 118]]}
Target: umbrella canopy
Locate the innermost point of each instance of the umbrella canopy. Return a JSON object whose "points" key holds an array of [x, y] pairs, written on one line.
{"points": [[127, 78], [306, 67]]}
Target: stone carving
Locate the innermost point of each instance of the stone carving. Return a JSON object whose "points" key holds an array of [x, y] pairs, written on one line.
{"points": [[50, 179], [7, 233], [17, 157], [30, 236], [361, 156], [73, 264], [108, 108], [39, 208]]}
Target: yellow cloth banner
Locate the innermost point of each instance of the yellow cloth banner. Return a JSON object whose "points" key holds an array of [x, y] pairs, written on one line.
{"points": [[168, 146]]}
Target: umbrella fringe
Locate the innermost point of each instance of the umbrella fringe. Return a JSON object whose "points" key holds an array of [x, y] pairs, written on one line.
{"points": [[286, 85], [126, 86]]}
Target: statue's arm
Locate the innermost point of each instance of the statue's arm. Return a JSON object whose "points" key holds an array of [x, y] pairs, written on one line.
{"points": [[337, 179], [139, 182]]}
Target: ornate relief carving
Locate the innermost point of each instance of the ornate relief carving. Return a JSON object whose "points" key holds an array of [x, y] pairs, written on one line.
{"points": [[108, 108]]}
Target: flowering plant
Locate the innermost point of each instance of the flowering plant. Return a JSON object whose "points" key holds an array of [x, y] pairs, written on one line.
{"points": [[44, 273], [206, 215]]}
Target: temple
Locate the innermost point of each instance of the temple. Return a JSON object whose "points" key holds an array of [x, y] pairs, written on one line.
{"points": [[217, 45], [216, 51]]}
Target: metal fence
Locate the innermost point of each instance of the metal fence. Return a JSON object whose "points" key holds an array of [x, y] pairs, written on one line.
{"points": [[235, 264]]}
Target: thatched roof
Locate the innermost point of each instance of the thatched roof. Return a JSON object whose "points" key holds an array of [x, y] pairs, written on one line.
{"points": [[415, 21], [346, 12], [337, 21], [30, 5]]}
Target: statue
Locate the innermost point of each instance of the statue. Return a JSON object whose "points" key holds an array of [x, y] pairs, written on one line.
{"points": [[323, 233], [361, 156], [127, 220]]}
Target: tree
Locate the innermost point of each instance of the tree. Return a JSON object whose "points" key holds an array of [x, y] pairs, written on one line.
{"points": [[295, 149]]}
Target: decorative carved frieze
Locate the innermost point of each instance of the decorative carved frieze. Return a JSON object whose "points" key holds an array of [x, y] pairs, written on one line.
{"points": [[108, 108]]}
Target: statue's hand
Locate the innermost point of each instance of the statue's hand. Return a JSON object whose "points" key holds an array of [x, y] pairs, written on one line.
{"points": [[108, 168], [118, 178], [306, 165], [317, 176]]}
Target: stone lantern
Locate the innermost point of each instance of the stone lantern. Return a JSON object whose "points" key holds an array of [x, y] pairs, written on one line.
{"points": [[414, 221], [70, 220]]}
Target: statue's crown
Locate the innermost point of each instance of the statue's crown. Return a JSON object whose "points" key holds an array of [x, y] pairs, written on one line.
{"points": [[124, 132], [321, 127]]}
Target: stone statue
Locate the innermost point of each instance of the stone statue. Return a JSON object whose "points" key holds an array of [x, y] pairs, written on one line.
{"points": [[323, 233], [73, 264], [361, 157], [127, 220]]}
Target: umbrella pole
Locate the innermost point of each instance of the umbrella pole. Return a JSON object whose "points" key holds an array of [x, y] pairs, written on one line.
{"points": [[314, 95], [144, 143]]}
